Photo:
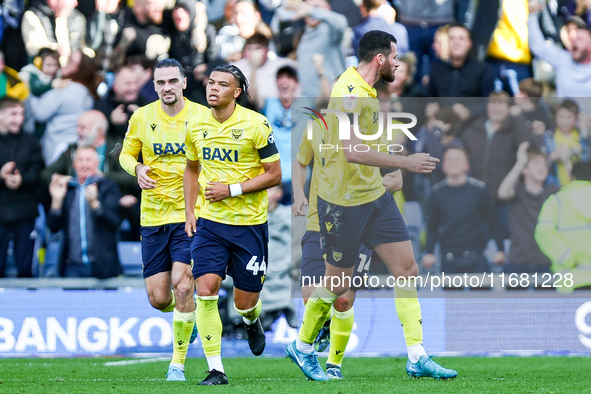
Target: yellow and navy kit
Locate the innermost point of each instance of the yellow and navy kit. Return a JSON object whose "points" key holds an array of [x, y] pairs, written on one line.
{"points": [[161, 140], [232, 152], [349, 184]]}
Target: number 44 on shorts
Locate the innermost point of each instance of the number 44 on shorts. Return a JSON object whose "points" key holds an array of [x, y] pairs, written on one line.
{"points": [[255, 267]]}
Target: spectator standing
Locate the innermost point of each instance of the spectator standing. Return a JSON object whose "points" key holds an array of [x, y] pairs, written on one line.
{"points": [[259, 69], [61, 107], [524, 189], [323, 34], [278, 112], [500, 35], [573, 68], [192, 44], [244, 20], [565, 145], [462, 76], [87, 209], [55, 24], [39, 77], [491, 142], [372, 20], [461, 218], [564, 229], [422, 18], [20, 164], [121, 101]]}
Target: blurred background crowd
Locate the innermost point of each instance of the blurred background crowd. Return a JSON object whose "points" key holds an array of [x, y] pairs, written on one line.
{"points": [[500, 89]]}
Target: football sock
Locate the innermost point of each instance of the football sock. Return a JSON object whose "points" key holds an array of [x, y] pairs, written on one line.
{"points": [[250, 316], [182, 327], [317, 310], [408, 309], [170, 306], [340, 331], [209, 325]]}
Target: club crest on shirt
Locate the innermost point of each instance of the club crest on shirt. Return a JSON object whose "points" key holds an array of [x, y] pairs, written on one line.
{"points": [[237, 134]]}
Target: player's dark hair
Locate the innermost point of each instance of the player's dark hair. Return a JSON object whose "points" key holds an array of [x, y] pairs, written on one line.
{"points": [[582, 171], [570, 106], [288, 71], [170, 63], [240, 81], [9, 102], [373, 43]]}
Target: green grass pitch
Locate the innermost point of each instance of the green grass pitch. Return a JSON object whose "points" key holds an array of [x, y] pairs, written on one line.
{"points": [[275, 375]]}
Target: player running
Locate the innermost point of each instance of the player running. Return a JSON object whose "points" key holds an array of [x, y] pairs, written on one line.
{"points": [[231, 154], [158, 130], [353, 208], [336, 331]]}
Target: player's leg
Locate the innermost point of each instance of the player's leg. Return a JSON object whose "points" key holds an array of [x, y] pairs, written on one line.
{"points": [[341, 326], [343, 315], [389, 237], [311, 275], [183, 285], [341, 229], [399, 257], [248, 267], [157, 264], [210, 257]]}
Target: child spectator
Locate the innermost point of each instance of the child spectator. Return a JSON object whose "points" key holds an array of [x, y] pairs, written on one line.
{"points": [[42, 72], [565, 145], [523, 188]]}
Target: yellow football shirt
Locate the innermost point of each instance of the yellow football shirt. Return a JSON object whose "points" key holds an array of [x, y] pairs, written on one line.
{"points": [[161, 141], [349, 184], [307, 151], [230, 153]]}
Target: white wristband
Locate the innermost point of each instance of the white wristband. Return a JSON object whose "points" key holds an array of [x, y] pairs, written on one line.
{"points": [[235, 190]]}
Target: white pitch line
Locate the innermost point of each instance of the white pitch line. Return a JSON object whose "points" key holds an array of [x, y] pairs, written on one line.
{"points": [[131, 362]]}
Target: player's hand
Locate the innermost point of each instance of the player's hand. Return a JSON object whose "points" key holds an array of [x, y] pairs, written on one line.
{"points": [[191, 224], [91, 195], [216, 191], [298, 205], [522, 153], [118, 116], [13, 181], [499, 257], [421, 163], [428, 260], [143, 179]]}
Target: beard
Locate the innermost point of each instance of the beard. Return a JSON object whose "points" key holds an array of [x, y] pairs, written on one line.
{"points": [[386, 73], [170, 101]]}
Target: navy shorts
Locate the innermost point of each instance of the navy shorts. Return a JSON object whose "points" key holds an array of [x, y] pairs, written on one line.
{"points": [[343, 229], [163, 245], [239, 251], [312, 266]]}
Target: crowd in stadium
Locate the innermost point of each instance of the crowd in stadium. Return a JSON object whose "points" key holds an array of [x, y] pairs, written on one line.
{"points": [[501, 90]]}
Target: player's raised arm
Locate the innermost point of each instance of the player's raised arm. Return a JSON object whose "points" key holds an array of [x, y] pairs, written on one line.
{"points": [[191, 191]]}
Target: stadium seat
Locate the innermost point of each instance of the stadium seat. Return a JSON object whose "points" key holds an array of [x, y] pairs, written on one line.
{"points": [[130, 255]]}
